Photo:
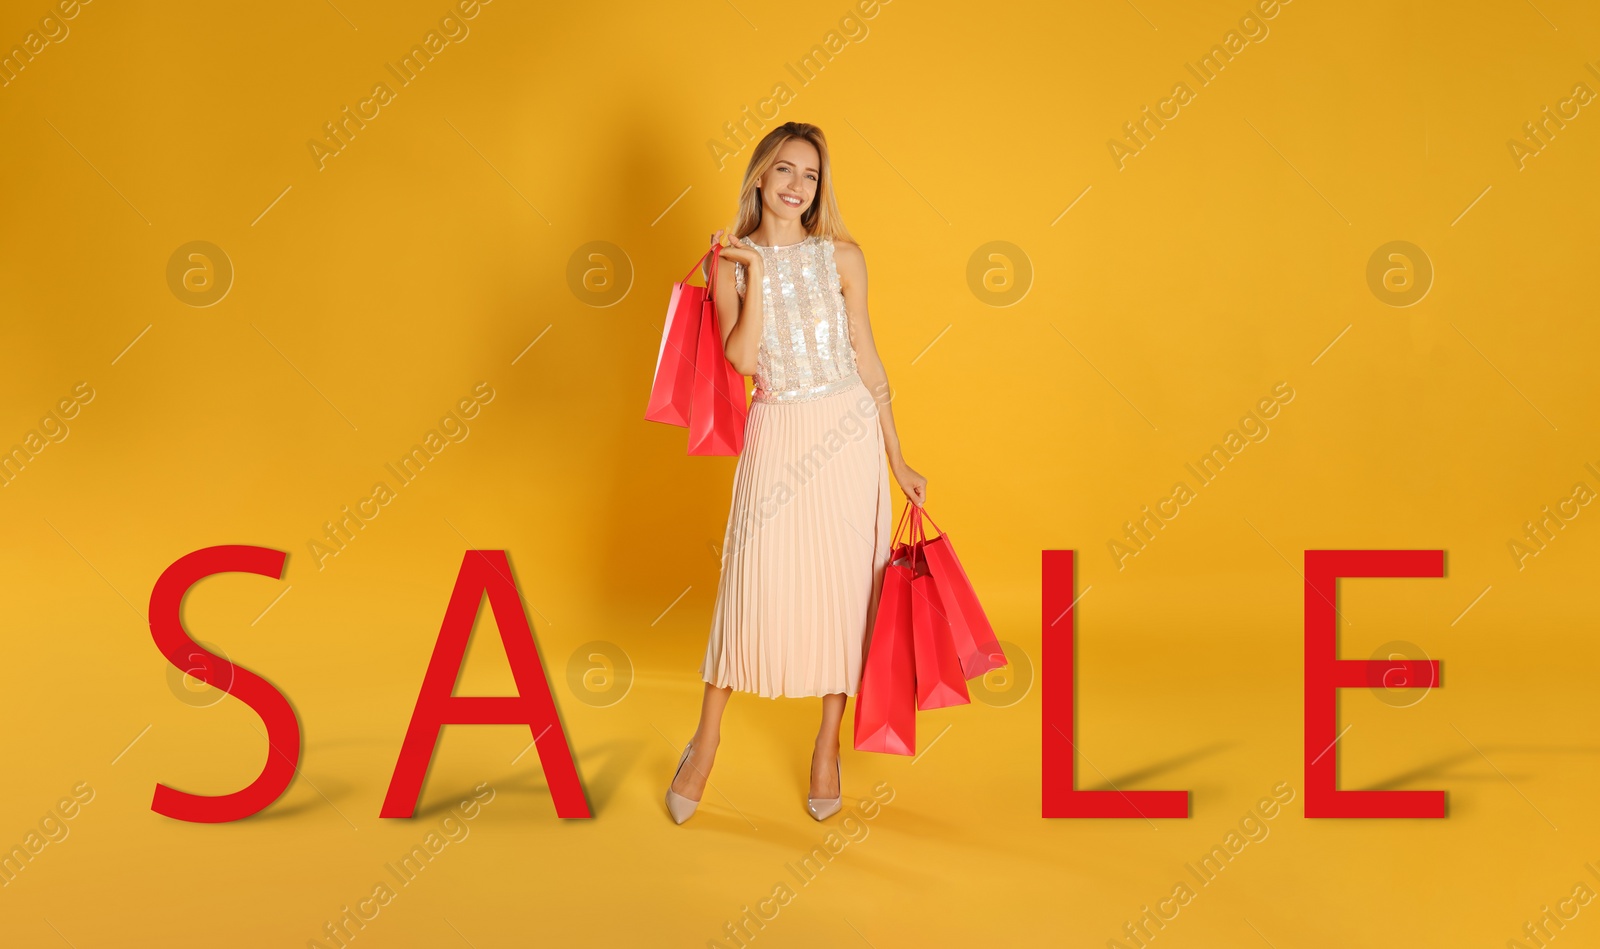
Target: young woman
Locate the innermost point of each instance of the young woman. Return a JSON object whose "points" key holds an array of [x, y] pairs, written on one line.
{"points": [[808, 530]]}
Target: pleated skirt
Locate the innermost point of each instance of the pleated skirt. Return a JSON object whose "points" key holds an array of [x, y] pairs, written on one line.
{"points": [[805, 549]]}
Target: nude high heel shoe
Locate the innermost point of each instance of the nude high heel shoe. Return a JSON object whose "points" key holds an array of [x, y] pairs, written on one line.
{"points": [[679, 806], [823, 808]]}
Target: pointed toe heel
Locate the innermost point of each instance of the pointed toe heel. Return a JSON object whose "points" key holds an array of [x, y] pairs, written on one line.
{"points": [[822, 808], [680, 807]]}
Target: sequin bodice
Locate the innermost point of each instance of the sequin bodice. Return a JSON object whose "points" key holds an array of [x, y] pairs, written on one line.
{"points": [[805, 350]]}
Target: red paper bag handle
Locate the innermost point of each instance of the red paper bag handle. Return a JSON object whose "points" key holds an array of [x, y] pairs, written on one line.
{"points": [[904, 512], [914, 535], [711, 283], [921, 513]]}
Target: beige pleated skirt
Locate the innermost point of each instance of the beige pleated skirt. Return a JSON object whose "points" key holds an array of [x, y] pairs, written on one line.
{"points": [[805, 549]]}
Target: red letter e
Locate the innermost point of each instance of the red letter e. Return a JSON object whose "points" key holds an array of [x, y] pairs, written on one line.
{"points": [[1326, 674]]}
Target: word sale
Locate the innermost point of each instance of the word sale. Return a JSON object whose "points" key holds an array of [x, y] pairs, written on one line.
{"points": [[488, 573]]}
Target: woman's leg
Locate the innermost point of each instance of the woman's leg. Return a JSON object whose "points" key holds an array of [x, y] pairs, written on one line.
{"points": [[691, 781], [824, 773]]}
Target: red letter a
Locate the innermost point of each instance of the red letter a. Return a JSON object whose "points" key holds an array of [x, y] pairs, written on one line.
{"points": [[1058, 739], [485, 571], [1326, 674]]}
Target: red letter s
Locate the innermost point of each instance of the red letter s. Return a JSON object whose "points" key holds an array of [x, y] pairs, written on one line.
{"points": [[283, 727]]}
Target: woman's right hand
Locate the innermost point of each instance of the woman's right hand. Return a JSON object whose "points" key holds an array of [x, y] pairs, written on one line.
{"points": [[738, 252]]}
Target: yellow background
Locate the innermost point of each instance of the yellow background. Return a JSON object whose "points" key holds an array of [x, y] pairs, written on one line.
{"points": [[371, 294]]}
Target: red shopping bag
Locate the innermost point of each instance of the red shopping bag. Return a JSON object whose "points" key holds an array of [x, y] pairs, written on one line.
{"points": [[939, 677], [671, 388], [886, 712], [975, 642], [940, 682], [719, 404]]}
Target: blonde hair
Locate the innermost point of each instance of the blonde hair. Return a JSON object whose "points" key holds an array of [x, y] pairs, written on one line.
{"points": [[822, 218]]}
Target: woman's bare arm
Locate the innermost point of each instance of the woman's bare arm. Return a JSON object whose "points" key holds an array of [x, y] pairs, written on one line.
{"points": [[852, 266], [741, 318]]}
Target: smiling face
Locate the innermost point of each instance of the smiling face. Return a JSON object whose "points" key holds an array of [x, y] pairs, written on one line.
{"points": [[790, 186]]}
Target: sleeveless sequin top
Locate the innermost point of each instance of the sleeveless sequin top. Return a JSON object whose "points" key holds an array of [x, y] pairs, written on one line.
{"points": [[805, 351]]}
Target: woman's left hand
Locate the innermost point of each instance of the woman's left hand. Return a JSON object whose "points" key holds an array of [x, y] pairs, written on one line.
{"points": [[914, 485]]}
